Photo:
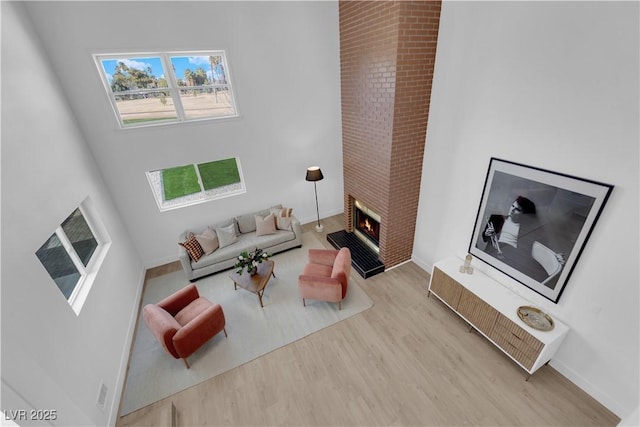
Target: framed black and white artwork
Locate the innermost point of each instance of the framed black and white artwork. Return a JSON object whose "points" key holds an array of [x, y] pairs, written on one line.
{"points": [[533, 224]]}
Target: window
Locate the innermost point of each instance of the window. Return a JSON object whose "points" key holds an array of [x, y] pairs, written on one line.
{"points": [[72, 255], [149, 89], [196, 183]]}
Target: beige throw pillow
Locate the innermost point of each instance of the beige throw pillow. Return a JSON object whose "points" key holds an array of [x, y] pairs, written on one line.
{"points": [[227, 235], [208, 240], [265, 225]]}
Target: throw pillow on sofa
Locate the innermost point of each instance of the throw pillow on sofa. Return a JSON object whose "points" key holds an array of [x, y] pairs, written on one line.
{"points": [[283, 217], [265, 225], [192, 247], [224, 224], [227, 235], [208, 240], [283, 223], [282, 212], [247, 223]]}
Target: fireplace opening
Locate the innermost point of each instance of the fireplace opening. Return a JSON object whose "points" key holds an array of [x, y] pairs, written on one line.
{"points": [[366, 224], [362, 238]]}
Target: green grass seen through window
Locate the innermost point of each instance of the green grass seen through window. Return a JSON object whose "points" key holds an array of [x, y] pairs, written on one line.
{"points": [[180, 181], [219, 173]]}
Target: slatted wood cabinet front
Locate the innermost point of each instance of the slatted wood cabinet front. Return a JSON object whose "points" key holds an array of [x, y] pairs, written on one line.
{"points": [[490, 308]]}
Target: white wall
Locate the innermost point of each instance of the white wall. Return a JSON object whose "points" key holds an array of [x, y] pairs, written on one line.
{"points": [[51, 357], [553, 85], [284, 63]]}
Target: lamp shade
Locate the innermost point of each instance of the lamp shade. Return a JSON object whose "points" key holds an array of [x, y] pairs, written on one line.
{"points": [[314, 174]]}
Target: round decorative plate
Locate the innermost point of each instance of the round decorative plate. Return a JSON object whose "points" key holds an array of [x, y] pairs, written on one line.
{"points": [[535, 318]]}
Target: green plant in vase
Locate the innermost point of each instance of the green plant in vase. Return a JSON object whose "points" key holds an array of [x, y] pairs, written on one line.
{"points": [[250, 261]]}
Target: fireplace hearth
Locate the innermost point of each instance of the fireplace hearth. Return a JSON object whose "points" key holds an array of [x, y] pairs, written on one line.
{"points": [[363, 241], [363, 258]]}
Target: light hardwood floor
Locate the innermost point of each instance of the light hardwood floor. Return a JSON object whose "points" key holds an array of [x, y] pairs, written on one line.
{"points": [[407, 361]]}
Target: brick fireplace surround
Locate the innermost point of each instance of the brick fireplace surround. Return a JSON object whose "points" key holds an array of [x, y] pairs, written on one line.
{"points": [[387, 57]]}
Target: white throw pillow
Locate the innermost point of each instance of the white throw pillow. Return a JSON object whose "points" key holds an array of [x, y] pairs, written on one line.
{"points": [[227, 235], [283, 223]]}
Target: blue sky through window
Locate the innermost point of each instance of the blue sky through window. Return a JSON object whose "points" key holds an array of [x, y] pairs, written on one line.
{"points": [[136, 63], [180, 65]]}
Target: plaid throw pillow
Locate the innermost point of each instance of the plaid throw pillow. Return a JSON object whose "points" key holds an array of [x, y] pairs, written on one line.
{"points": [[192, 247]]}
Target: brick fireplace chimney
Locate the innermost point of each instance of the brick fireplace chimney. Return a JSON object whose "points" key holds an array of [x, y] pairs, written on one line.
{"points": [[387, 57]]}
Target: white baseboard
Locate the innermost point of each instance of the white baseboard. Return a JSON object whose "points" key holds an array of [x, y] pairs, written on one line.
{"points": [[162, 261], [426, 266], [586, 386], [307, 220]]}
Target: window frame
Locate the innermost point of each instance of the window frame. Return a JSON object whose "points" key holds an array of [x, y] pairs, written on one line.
{"points": [[89, 272], [172, 85], [202, 196]]}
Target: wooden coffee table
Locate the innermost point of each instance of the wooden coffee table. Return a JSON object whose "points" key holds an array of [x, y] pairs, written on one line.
{"points": [[256, 283]]}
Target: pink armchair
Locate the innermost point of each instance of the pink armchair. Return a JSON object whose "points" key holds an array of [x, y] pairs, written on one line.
{"points": [[184, 321], [326, 275]]}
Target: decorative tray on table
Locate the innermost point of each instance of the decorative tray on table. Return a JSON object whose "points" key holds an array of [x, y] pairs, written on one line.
{"points": [[535, 318]]}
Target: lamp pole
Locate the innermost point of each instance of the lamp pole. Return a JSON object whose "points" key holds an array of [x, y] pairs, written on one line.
{"points": [[319, 227]]}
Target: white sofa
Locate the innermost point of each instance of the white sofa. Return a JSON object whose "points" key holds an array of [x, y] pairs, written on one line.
{"points": [[222, 258]]}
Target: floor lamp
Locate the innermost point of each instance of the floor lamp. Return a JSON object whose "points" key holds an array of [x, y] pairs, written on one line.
{"points": [[315, 174]]}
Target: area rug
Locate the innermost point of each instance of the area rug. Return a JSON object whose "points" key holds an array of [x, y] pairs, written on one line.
{"points": [[252, 331]]}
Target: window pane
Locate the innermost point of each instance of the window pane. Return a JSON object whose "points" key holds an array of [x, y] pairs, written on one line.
{"points": [[58, 264], [135, 83], [206, 102], [180, 181], [219, 173], [204, 89], [80, 236]]}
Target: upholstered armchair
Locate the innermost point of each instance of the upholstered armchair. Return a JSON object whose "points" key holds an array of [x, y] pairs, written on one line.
{"points": [[326, 275], [184, 321]]}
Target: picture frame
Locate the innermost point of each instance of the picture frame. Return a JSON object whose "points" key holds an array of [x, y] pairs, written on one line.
{"points": [[533, 224]]}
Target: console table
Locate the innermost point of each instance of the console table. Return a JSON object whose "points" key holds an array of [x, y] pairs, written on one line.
{"points": [[491, 309]]}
